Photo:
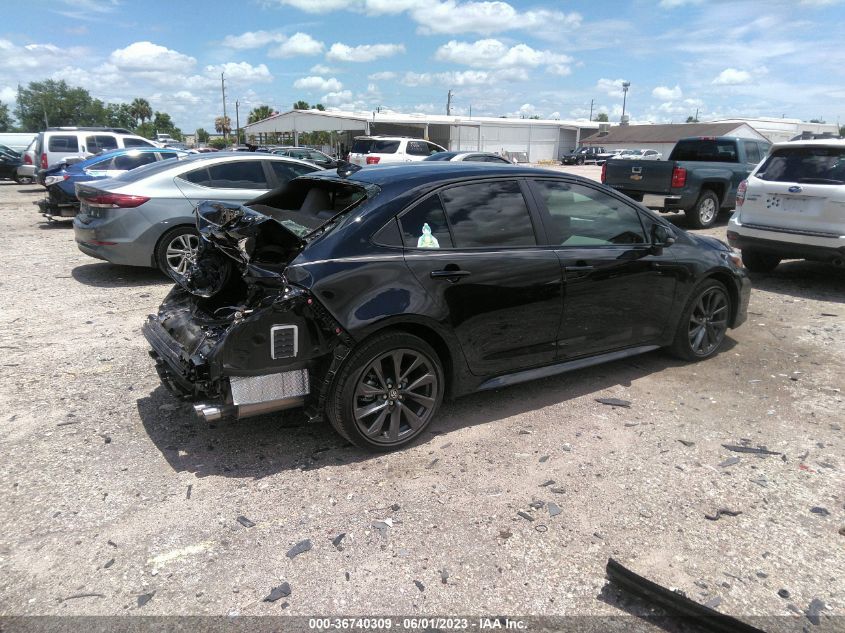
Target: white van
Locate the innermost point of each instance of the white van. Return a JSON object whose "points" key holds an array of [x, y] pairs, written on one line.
{"points": [[57, 143]]}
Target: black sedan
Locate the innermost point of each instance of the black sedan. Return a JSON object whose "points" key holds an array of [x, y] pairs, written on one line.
{"points": [[368, 296]]}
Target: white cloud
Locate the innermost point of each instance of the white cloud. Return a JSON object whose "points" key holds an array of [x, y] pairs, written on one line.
{"points": [[319, 6], [365, 53], [36, 56], [252, 39], [611, 87], [492, 53], [336, 98], [241, 72], [732, 77], [674, 4], [318, 84], [297, 44], [448, 79], [486, 18], [383, 76], [665, 93], [146, 56], [322, 69]]}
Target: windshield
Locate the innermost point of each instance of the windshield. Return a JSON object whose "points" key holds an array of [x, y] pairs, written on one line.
{"points": [[819, 165], [374, 146]]}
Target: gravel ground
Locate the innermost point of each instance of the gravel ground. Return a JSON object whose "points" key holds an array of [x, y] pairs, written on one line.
{"points": [[111, 488]]}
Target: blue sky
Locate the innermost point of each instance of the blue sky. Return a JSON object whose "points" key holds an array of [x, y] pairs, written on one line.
{"points": [[549, 58]]}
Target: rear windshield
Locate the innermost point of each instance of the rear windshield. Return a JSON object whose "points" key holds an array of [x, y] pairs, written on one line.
{"points": [[374, 146], [66, 143], [705, 150], [442, 156], [811, 165], [154, 168]]}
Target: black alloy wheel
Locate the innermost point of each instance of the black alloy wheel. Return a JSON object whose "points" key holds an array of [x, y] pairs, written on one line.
{"points": [[704, 324], [387, 392]]}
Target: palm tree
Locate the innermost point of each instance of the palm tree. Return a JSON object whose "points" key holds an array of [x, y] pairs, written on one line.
{"points": [[141, 110], [260, 113], [301, 105], [223, 125]]}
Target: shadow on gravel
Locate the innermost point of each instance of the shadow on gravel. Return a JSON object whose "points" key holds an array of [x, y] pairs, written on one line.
{"points": [[49, 225], [805, 280], [680, 220], [650, 614], [265, 445], [32, 190], [105, 275]]}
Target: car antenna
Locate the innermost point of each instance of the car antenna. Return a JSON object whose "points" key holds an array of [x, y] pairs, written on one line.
{"points": [[345, 169]]}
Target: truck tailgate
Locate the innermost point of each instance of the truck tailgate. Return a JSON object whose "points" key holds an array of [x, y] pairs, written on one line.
{"points": [[642, 176]]}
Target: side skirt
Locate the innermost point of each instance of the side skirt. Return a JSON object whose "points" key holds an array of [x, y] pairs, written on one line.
{"points": [[560, 368]]}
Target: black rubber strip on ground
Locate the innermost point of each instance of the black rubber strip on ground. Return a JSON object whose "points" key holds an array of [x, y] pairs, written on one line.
{"points": [[675, 603]]}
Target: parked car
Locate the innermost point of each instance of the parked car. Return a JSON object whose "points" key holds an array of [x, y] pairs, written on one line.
{"points": [[60, 180], [374, 150], [582, 155], [793, 206], [603, 157], [700, 178], [57, 143], [472, 157], [5, 149], [26, 170], [639, 154], [306, 153], [9, 167], [146, 216], [370, 295]]}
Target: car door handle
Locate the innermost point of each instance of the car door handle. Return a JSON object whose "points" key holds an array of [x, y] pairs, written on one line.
{"points": [[451, 275]]}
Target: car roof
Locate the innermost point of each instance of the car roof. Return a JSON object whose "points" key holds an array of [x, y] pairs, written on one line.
{"points": [[422, 172], [821, 142], [96, 158]]}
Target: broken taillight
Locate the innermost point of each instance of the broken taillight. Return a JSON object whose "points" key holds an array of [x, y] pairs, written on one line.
{"points": [[114, 201]]}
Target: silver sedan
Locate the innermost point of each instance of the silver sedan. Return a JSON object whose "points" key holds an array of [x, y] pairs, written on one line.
{"points": [[146, 216]]}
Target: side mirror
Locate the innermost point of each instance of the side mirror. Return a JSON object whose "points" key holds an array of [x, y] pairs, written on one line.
{"points": [[661, 236]]}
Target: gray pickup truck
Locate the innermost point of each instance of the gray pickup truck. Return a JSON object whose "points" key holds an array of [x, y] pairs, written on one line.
{"points": [[699, 178]]}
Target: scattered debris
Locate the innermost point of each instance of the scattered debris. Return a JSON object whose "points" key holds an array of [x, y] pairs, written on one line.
{"points": [[112, 543], [109, 563], [762, 574], [395, 507], [687, 443], [68, 422], [760, 481], [84, 595], [505, 534], [245, 522], [783, 593], [282, 591], [541, 528], [714, 602], [760, 450], [188, 492], [544, 459], [804, 455], [419, 585], [547, 483], [525, 515], [814, 611], [730, 461], [554, 509], [433, 462], [558, 491], [337, 540], [820, 511], [444, 576], [347, 576], [524, 432], [614, 402], [567, 447], [382, 525], [672, 601], [598, 535], [537, 504], [299, 548], [842, 531], [722, 512], [145, 598]]}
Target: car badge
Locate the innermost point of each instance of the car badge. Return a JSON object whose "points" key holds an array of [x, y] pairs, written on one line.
{"points": [[795, 189]]}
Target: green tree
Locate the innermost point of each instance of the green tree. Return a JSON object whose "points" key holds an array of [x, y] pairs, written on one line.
{"points": [[217, 143], [54, 103], [163, 124], [120, 115], [5, 118], [320, 107], [141, 110], [692, 119], [202, 135], [301, 105], [260, 113], [223, 125], [817, 120], [601, 117]]}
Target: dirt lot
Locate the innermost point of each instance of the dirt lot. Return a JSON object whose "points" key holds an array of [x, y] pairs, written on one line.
{"points": [[112, 489]]}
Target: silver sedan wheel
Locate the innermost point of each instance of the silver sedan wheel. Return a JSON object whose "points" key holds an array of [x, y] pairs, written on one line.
{"points": [[181, 252]]}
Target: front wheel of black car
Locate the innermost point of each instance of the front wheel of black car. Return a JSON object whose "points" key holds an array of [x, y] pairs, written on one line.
{"points": [[758, 262], [705, 211], [387, 392], [704, 322]]}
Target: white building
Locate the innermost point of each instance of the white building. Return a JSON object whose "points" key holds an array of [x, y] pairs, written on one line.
{"points": [[537, 139], [779, 130]]}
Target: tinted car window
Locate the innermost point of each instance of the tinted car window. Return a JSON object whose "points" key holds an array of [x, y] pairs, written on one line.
{"points": [[127, 161], [418, 148], [705, 150], [430, 212], [288, 171], [581, 216], [100, 143], [374, 146], [433, 149], [488, 214], [752, 152], [136, 142], [168, 155], [820, 165], [248, 174], [63, 144]]}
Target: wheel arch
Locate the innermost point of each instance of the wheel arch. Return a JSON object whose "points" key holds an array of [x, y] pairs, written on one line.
{"points": [[726, 279], [717, 187]]}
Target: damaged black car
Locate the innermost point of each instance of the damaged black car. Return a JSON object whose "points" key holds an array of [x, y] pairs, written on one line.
{"points": [[366, 296]]}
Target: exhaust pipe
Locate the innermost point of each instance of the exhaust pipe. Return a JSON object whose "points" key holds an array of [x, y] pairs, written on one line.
{"points": [[215, 412]]}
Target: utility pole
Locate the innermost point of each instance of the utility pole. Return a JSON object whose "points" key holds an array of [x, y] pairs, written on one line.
{"points": [[591, 109], [449, 104], [696, 115], [625, 86], [237, 124], [223, 90]]}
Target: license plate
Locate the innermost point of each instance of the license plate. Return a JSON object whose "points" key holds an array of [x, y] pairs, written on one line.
{"points": [[802, 206]]}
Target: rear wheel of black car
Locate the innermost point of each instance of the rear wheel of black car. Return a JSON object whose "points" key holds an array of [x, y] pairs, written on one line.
{"points": [[176, 249], [580, 160], [704, 322], [759, 262], [387, 392], [705, 211]]}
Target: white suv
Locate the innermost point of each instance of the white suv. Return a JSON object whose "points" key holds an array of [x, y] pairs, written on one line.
{"points": [[378, 150], [792, 206], [57, 143]]}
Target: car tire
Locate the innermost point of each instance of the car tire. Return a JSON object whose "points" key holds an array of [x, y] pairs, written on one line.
{"points": [[24, 180], [580, 161], [176, 239], [758, 262], [359, 402], [705, 211], [704, 322]]}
